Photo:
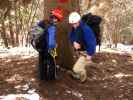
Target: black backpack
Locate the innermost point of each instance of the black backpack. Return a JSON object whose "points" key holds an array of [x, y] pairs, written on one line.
{"points": [[38, 37], [94, 22]]}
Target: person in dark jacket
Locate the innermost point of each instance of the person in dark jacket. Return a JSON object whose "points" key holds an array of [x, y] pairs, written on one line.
{"points": [[47, 66], [82, 39]]}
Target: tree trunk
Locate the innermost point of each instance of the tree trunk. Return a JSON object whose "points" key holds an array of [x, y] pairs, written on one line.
{"points": [[64, 47], [3, 34], [17, 27], [11, 32]]}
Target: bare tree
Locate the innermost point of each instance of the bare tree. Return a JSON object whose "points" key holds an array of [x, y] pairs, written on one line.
{"points": [[20, 16]]}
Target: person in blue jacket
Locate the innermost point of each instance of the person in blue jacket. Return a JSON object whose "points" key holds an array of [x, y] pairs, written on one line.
{"points": [[82, 38], [47, 67]]}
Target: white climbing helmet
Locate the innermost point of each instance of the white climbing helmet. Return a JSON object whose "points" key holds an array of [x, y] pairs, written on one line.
{"points": [[74, 17]]}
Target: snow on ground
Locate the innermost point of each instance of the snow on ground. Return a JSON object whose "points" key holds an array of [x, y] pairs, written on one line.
{"points": [[121, 75], [27, 52], [121, 48], [33, 96], [23, 52]]}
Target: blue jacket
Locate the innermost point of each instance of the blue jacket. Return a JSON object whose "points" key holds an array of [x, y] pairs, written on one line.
{"points": [[87, 37], [50, 35]]}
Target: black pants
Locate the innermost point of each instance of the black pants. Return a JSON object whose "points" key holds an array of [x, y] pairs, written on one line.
{"points": [[47, 66]]}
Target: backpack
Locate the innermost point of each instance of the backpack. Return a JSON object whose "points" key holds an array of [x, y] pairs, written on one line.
{"points": [[93, 21], [38, 37]]}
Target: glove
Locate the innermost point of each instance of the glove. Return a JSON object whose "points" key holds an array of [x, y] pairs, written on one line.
{"points": [[53, 52]]}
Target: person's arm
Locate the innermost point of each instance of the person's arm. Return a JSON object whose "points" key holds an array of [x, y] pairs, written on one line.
{"points": [[73, 40], [90, 41]]}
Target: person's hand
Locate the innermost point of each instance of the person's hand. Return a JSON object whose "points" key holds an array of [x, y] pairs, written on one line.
{"points": [[76, 45], [89, 58]]}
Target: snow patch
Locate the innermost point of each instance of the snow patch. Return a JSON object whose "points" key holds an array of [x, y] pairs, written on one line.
{"points": [[121, 48], [126, 48], [25, 88], [33, 96], [75, 93], [121, 75], [23, 52], [28, 52]]}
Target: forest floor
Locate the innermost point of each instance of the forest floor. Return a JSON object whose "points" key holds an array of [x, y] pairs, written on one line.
{"points": [[110, 78]]}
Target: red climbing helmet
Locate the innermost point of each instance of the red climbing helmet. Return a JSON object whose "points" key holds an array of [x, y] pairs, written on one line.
{"points": [[57, 12]]}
